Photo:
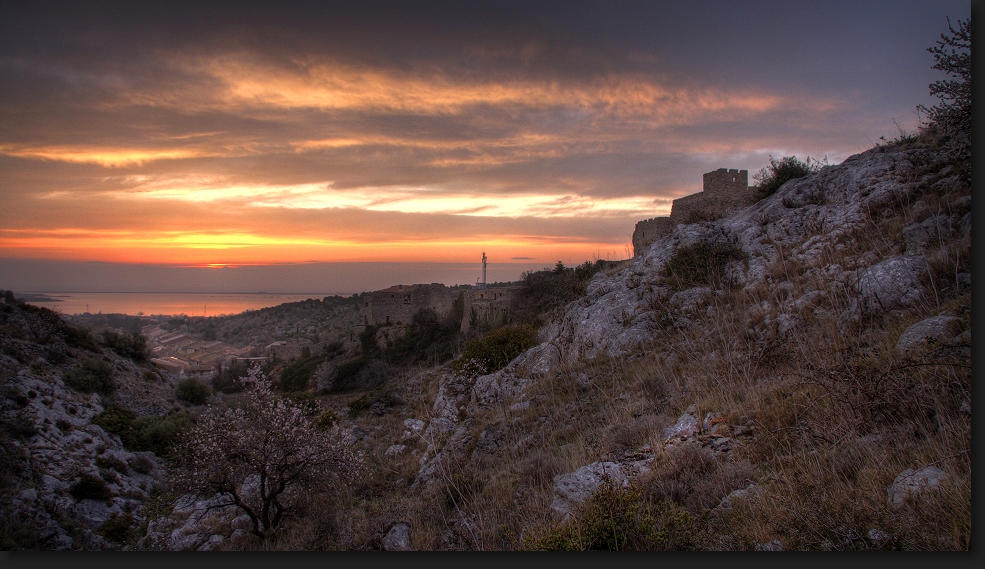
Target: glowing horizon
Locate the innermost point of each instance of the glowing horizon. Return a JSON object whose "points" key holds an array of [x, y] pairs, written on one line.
{"points": [[353, 134]]}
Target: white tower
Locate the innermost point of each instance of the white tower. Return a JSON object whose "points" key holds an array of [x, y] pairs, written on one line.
{"points": [[483, 283]]}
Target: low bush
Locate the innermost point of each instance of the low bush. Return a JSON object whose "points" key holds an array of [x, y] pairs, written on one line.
{"points": [[378, 395], [118, 421], [620, 519], [700, 264], [90, 488], [326, 420], [769, 179], [297, 376], [495, 350], [193, 391], [81, 338], [93, 376], [361, 373], [128, 345], [159, 434], [119, 528]]}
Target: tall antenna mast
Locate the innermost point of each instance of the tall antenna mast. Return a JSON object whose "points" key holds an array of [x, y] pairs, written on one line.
{"points": [[483, 269]]}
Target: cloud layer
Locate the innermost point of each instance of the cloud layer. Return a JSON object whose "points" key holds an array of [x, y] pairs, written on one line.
{"points": [[394, 131]]}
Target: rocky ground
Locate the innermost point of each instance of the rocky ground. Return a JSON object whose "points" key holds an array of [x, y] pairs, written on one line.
{"points": [[754, 379]]}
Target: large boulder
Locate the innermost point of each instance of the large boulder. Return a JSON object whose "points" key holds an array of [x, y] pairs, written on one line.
{"points": [[398, 538], [918, 337], [575, 487], [891, 284], [911, 483]]}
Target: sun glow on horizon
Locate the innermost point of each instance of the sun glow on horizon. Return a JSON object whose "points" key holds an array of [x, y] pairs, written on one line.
{"points": [[218, 250]]}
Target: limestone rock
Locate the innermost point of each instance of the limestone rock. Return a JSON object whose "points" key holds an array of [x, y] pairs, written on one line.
{"points": [[891, 284], [912, 483], [686, 426], [917, 337], [575, 487], [395, 450], [398, 538]]}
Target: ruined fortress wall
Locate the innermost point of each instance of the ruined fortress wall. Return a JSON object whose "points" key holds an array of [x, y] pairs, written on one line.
{"points": [[725, 191], [648, 231], [397, 305], [725, 181], [490, 305], [687, 207]]}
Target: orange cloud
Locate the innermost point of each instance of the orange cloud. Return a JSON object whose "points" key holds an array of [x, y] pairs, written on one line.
{"points": [[247, 84], [238, 248], [103, 156]]}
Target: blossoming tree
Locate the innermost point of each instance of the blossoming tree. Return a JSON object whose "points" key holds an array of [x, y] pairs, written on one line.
{"points": [[259, 454]]}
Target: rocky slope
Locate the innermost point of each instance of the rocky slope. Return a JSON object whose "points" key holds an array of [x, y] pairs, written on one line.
{"points": [[66, 482], [795, 376], [876, 249]]}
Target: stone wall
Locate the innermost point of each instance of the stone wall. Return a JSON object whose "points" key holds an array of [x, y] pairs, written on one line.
{"points": [[648, 231], [294, 349], [725, 182], [398, 304], [725, 191], [491, 305]]}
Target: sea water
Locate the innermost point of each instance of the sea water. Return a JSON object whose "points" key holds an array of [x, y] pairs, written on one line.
{"points": [[152, 303]]}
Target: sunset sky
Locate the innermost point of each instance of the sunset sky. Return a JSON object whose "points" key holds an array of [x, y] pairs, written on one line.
{"points": [[346, 146]]}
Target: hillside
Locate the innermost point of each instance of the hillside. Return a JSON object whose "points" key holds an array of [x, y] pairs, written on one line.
{"points": [[795, 376]]}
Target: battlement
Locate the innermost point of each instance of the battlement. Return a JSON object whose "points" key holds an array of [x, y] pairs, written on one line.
{"points": [[726, 180], [725, 191]]}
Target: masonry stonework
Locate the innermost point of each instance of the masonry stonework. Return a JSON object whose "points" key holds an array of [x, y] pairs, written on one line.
{"points": [[490, 305], [725, 191], [398, 304]]}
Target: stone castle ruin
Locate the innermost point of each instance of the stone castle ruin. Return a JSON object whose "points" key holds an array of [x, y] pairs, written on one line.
{"points": [[488, 305], [398, 304], [725, 192]]}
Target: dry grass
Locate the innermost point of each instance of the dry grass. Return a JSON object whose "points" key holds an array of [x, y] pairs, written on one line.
{"points": [[836, 415]]}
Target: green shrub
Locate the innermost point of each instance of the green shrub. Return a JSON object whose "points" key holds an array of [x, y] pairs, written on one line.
{"points": [[118, 421], [361, 373], [90, 488], [620, 519], [118, 528], [141, 464], [128, 345], [700, 264], [159, 434], [143, 433], [495, 350], [297, 375], [427, 339], [81, 338], [326, 420], [952, 117], [779, 172], [378, 395], [93, 376], [193, 391], [112, 463]]}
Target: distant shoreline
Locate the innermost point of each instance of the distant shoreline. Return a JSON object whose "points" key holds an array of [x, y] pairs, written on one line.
{"points": [[165, 304]]}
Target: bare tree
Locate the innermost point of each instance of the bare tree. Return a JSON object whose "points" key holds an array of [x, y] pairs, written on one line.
{"points": [[257, 455], [952, 116]]}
